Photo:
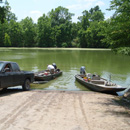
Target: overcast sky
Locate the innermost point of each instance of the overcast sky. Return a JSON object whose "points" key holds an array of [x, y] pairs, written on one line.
{"points": [[36, 8]]}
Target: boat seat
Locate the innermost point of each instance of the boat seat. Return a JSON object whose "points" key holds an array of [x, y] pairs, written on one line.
{"points": [[95, 77], [97, 81], [82, 75]]}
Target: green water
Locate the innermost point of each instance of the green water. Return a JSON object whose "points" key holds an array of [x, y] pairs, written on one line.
{"points": [[104, 63]]}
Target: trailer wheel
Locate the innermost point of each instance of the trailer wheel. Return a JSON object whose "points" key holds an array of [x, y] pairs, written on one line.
{"points": [[26, 85]]}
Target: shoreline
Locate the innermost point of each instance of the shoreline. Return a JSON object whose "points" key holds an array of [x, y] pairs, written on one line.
{"points": [[33, 48]]}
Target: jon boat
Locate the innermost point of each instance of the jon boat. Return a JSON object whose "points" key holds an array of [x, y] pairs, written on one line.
{"points": [[44, 76], [98, 84]]}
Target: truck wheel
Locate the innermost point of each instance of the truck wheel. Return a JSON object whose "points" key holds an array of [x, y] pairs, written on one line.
{"points": [[3, 89], [26, 85]]}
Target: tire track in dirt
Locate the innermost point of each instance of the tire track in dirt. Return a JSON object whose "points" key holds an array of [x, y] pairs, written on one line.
{"points": [[49, 109], [60, 110], [31, 101], [40, 104], [47, 104], [74, 106], [83, 112], [5, 119], [9, 119]]}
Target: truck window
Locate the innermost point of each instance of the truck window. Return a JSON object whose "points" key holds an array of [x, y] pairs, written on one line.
{"points": [[1, 65], [15, 67], [8, 66]]}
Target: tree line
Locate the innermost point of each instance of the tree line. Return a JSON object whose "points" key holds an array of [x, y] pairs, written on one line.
{"points": [[56, 29]]}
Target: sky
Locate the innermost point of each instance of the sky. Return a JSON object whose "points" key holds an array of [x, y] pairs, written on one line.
{"points": [[36, 8]]}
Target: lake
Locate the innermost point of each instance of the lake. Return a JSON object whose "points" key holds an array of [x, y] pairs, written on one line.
{"points": [[102, 62]]}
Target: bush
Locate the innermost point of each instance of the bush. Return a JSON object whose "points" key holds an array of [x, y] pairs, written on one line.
{"points": [[122, 50], [64, 45]]}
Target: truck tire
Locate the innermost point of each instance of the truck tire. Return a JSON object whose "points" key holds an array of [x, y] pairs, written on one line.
{"points": [[26, 85], [4, 89]]}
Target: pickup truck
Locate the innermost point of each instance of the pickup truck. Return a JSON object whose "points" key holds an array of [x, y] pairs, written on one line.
{"points": [[11, 75]]}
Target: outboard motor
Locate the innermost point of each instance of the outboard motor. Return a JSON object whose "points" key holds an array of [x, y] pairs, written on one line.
{"points": [[82, 70]]}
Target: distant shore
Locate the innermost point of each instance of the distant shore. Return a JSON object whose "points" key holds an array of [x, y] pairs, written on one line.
{"points": [[55, 48]]}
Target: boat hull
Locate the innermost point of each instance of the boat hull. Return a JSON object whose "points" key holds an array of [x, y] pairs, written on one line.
{"points": [[99, 88], [47, 77]]}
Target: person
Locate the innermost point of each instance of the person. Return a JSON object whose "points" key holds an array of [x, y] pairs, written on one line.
{"points": [[7, 68], [82, 70], [54, 65], [51, 68]]}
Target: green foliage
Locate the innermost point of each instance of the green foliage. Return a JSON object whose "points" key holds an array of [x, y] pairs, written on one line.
{"points": [[96, 14], [82, 38], [90, 28], [2, 14], [44, 32], [57, 30], [59, 16], [75, 42], [29, 32], [64, 44], [3, 30], [5, 13], [123, 50], [15, 33], [1, 34], [118, 33], [7, 41], [84, 19], [54, 30], [56, 36], [121, 6], [61, 26]]}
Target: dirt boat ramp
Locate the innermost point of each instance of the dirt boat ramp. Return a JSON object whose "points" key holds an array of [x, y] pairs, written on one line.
{"points": [[61, 110]]}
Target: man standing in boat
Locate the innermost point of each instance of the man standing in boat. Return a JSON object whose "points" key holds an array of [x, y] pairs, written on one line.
{"points": [[54, 64], [82, 70]]}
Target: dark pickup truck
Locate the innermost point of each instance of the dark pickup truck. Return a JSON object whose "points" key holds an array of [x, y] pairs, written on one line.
{"points": [[11, 75]]}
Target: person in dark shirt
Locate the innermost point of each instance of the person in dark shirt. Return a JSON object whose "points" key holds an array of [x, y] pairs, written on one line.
{"points": [[82, 70], [54, 66]]}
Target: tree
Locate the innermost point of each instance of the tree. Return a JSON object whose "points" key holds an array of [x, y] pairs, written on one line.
{"points": [[89, 28], [44, 32], [103, 33], [61, 22], [56, 36], [82, 38], [3, 30], [60, 15], [7, 41], [118, 32], [15, 33], [96, 14], [84, 20], [8, 14], [95, 36], [5, 17], [29, 32], [2, 14], [1, 35], [5, 13]]}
